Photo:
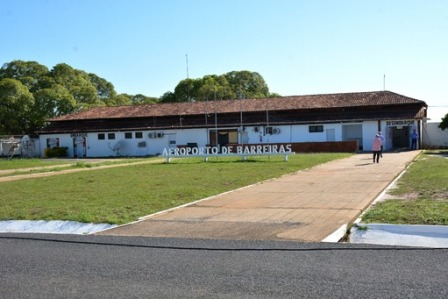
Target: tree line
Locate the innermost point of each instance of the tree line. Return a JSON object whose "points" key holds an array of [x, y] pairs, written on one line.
{"points": [[30, 93]]}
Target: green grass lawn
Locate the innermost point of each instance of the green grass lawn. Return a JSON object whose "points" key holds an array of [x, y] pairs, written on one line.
{"points": [[421, 194], [28, 166], [17, 163], [123, 194]]}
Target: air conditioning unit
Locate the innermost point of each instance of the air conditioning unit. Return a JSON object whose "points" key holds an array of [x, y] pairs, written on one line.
{"points": [[275, 131], [152, 135]]}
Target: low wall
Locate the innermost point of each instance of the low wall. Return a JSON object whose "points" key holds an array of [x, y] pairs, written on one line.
{"points": [[326, 147], [311, 147], [319, 147]]}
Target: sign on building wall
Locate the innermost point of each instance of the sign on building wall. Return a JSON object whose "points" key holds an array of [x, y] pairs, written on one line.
{"points": [[399, 123], [228, 150], [78, 135]]}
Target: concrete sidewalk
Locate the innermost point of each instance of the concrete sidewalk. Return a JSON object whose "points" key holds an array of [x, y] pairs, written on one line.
{"points": [[309, 205]]}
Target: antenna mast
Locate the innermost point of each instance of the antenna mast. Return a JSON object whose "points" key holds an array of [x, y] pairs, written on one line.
{"points": [[384, 82], [188, 91], [186, 58]]}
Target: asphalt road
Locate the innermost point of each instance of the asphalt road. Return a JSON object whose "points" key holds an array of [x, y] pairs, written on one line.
{"points": [[68, 266]]}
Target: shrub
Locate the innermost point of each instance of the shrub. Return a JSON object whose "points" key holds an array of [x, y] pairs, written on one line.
{"points": [[56, 152]]}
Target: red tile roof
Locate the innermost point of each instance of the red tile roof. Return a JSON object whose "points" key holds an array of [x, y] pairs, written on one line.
{"points": [[339, 100]]}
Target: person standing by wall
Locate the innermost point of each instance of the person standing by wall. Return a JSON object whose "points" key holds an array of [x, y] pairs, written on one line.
{"points": [[382, 143], [376, 148], [414, 140]]}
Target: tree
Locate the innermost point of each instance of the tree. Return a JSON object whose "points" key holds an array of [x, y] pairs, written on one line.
{"points": [[119, 100], [215, 87], [105, 89], [232, 85], [444, 124], [31, 93], [274, 95], [47, 81], [49, 103], [16, 103], [247, 84], [54, 101], [168, 97], [27, 72], [140, 99], [78, 84], [85, 95], [187, 90]]}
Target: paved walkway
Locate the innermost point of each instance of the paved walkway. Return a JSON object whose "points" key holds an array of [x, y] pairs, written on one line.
{"points": [[305, 206]]}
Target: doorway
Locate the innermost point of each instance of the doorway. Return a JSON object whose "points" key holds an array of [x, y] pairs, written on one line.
{"points": [[79, 147], [400, 137], [223, 137], [331, 134], [351, 133]]}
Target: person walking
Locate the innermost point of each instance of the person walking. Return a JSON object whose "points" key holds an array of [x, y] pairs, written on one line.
{"points": [[382, 143], [414, 138], [376, 148]]}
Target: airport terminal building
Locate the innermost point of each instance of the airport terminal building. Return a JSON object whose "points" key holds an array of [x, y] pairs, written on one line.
{"points": [[324, 120]]}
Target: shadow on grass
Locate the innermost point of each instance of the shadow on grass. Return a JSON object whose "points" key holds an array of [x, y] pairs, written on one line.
{"points": [[201, 161], [440, 153]]}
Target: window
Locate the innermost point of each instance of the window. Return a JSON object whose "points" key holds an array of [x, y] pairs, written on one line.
{"points": [[316, 129], [52, 142], [138, 135], [111, 136], [101, 136], [268, 130], [233, 136], [128, 135], [223, 137]]}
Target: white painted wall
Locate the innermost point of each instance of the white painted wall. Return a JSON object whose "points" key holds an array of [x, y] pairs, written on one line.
{"points": [[97, 148], [434, 137], [120, 146], [369, 131], [292, 133], [198, 136], [301, 134], [288, 133], [64, 141]]}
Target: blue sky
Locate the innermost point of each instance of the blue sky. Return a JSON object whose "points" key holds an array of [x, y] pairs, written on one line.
{"points": [[299, 47]]}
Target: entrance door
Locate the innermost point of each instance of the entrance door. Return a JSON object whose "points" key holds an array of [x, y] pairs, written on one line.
{"points": [[79, 147], [223, 138], [353, 132], [400, 137], [331, 135]]}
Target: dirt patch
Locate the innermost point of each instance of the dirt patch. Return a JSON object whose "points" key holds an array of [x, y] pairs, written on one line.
{"points": [[64, 171], [440, 195], [409, 196], [435, 195]]}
